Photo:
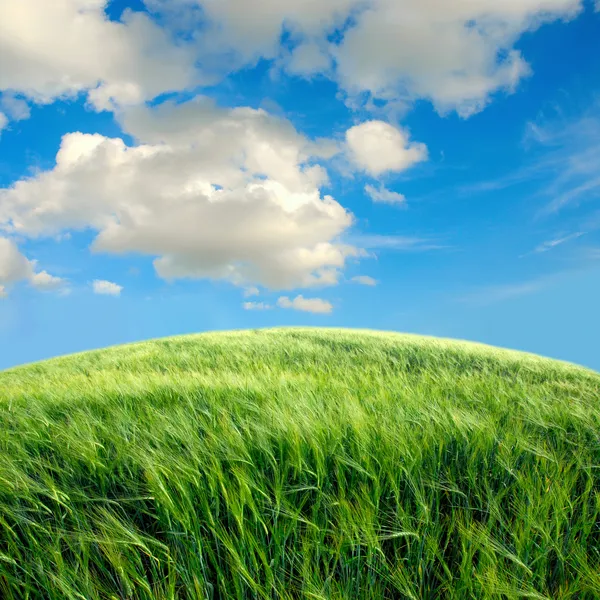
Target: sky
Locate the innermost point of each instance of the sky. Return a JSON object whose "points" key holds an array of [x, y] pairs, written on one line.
{"points": [[179, 166]]}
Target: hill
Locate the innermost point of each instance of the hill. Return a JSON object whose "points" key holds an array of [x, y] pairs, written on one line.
{"points": [[299, 463]]}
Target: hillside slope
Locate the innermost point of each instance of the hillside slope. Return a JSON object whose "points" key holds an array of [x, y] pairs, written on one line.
{"points": [[300, 463]]}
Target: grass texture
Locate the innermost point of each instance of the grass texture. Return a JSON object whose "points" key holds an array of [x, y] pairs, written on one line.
{"points": [[299, 464]]}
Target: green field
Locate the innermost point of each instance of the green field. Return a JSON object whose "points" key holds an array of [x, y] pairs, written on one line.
{"points": [[300, 463]]}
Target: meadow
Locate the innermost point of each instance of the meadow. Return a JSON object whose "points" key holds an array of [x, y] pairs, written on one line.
{"points": [[299, 464]]}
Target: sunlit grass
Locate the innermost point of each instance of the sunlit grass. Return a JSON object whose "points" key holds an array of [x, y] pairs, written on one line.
{"points": [[299, 463]]}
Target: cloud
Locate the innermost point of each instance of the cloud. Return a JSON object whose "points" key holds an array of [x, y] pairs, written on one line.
{"points": [[215, 193], [107, 288], [565, 165], [377, 147], [364, 280], [312, 305], [45, 281], [545, 246], [251, 291], [500, 293], [455, 54], [384, 195], [570, 158], [15, 267], [57, 49], [307, 59], [3, 121], [394, 242], [15, 107], [256, 306]]}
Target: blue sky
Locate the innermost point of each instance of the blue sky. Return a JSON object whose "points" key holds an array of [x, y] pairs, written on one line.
{"points": [[412, 166]]}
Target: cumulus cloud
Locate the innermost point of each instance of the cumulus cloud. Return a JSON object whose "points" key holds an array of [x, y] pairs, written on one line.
{"points": [[364, 280], [45, 281], [455, 54], [55, 49], [312, 305], [384, 195], [106, 288], [15, 267], [377, 147], [209, 192], [256, 306]]}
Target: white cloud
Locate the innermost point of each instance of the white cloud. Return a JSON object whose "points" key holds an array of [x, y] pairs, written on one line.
{"points": [[54, 49], [364, 280], [256, 306], [499, 293], [307, 59], [455, 54], [377, 147], [3, 121], [211, 193], [15, 107], [312, 305], [565, 166], [384, 195], [251, 291], [107, 288], [45, 281], [15, 267], [545, 246], [3, 292], [394, 242]]}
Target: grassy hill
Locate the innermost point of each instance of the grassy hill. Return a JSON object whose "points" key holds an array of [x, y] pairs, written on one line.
{"points": [[300, 463]]}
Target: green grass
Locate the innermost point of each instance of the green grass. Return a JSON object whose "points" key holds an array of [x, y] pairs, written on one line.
{"points": [[300, 463]]}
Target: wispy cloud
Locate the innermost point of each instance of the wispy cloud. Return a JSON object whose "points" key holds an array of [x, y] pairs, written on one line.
{"points": [[385, 196], [256, 306], [251, 291], [550, 244], [364, 280], [395, 242], [492, 294], [499, 293], [564, 163]]}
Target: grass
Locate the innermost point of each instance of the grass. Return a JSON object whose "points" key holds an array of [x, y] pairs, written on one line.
{"points": [[299, 463]]}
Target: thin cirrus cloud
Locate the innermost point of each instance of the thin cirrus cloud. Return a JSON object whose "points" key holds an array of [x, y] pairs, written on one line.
{"points": [[566, 166], [550, 244]]}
